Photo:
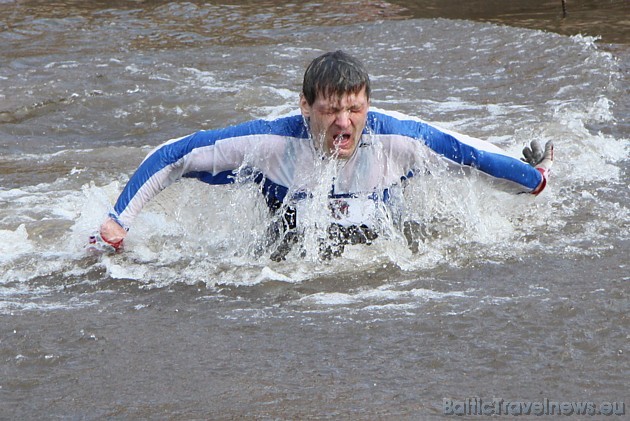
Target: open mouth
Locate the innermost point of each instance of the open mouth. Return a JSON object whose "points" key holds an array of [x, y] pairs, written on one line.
{"points": [[341, 140]]}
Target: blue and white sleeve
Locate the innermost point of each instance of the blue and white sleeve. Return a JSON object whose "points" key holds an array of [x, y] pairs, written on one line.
{"points": [[464, 150], [211, 156]]}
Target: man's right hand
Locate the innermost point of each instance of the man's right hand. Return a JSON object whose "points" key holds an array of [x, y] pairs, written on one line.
{"points": [[111, 234]]}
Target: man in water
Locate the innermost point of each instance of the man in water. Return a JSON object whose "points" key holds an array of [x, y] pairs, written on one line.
{"points": [[374, 151]]}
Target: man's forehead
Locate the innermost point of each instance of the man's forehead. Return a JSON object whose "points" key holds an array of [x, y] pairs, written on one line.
{"points": [[346, 98]]}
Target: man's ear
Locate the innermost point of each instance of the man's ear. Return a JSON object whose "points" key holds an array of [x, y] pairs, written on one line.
{"points": [[304, 107]]}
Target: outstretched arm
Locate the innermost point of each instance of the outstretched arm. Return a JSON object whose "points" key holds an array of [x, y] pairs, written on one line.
{"points": [[208, 155], [211, 156], [466, 150], [492, 160]]}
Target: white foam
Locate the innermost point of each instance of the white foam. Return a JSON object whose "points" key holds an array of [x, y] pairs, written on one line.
{"points": [[14, 244], [268, 274], [381, 297], [132, 272]]}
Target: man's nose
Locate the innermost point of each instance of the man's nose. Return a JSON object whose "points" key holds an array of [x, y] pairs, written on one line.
{"points": [[343, 118]]}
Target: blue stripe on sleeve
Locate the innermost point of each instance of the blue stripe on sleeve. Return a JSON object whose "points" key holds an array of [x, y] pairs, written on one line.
{"points": [[170, 153], [447, 145]]}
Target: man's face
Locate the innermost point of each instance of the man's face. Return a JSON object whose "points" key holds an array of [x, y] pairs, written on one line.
{"points": [[336, 123]]}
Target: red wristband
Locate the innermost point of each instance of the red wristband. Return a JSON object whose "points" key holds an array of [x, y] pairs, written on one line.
{"points": [[543, 183]]}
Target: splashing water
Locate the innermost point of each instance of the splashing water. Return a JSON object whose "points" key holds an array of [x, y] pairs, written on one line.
{"points": [[446, 216]]}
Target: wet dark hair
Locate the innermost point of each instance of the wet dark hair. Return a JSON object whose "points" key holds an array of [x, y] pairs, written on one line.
{"points": [[334, 74]]}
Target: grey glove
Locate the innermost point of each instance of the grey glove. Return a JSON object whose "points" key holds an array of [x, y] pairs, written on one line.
{"points": [[536, 157], [539, 159]]}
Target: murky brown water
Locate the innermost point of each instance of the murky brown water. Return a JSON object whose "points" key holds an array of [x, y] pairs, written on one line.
{"points": [[506, 297], [606, 19]]}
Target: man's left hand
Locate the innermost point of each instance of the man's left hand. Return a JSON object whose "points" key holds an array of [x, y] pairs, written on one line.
{"points": [[539, 159]]}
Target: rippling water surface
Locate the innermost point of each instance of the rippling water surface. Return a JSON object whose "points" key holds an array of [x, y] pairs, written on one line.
{"points": [[499, 296]]}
